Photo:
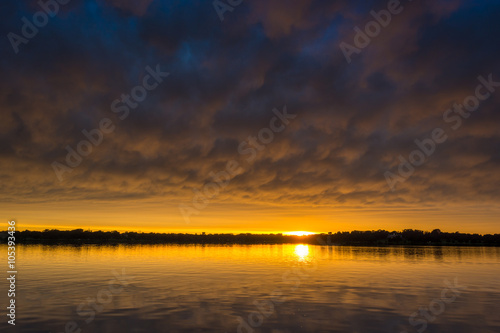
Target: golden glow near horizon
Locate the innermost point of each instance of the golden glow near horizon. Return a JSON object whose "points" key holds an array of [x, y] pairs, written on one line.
{"points": [[299, 233], [139, 216]]}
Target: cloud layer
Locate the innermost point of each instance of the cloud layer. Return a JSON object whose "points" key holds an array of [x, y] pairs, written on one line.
{"points": [[353, 120]]}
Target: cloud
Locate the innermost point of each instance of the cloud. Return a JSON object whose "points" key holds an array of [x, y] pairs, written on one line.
{"points": [[226, 77]]}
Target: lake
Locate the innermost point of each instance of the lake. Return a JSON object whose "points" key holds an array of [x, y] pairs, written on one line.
{"points": [[255, 288]]}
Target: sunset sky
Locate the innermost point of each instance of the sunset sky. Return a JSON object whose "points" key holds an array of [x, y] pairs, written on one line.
{"points": [[322, 169]]}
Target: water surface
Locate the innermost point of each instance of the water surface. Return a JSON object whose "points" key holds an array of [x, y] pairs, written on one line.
{"points": [[259, 288]]}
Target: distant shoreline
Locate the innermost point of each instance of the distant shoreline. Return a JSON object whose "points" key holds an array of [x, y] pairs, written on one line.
{"points": [[353, 238]]}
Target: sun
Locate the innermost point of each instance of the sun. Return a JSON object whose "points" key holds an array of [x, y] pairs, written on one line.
{"points": [[299, 233]]}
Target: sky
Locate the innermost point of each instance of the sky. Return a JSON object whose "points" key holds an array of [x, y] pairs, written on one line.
{"points": [[261, 116]]}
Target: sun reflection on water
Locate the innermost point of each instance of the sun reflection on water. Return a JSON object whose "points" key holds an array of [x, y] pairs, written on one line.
{"points": [[302, 251]]}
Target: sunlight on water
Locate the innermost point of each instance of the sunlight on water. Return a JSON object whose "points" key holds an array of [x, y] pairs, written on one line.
{"points": [[302, 251]]}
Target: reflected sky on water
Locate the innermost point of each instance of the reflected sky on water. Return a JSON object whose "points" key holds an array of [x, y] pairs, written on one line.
{"points": [[298, 288]]}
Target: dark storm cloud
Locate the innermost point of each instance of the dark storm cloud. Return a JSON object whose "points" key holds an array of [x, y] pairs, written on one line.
{"points": [[353, 122]]}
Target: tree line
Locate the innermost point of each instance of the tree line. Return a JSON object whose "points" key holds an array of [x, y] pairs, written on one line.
{"points": [[373, 237]]}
